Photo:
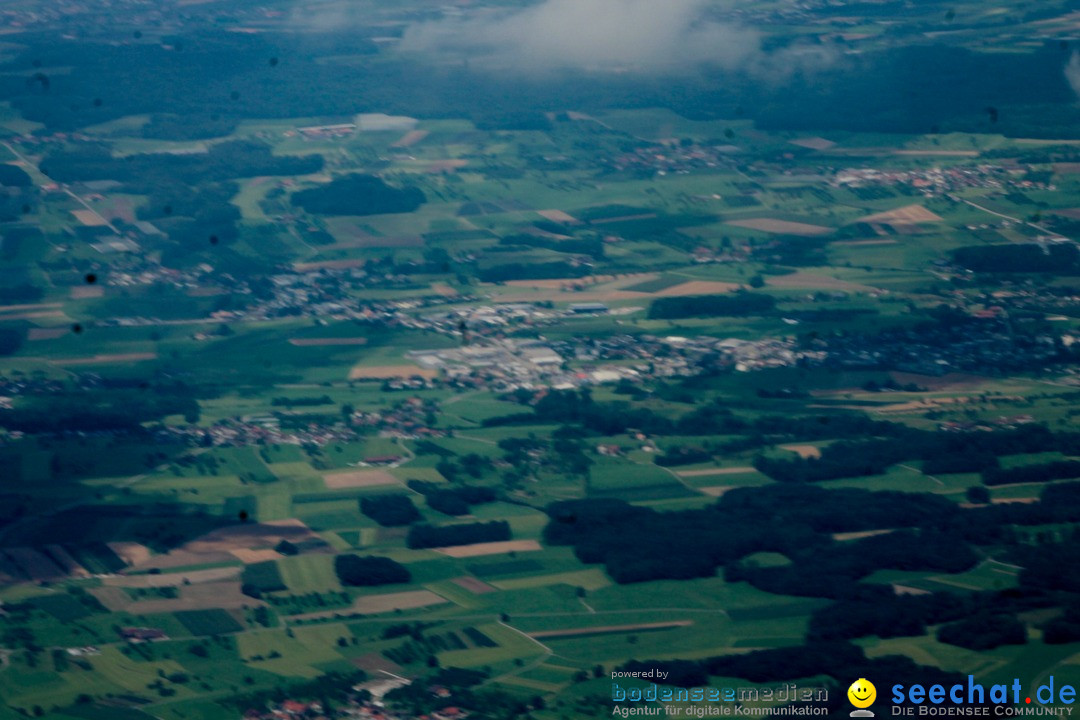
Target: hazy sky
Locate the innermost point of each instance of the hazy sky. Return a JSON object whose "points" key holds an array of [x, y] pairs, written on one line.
{"points": [[658, 36]]}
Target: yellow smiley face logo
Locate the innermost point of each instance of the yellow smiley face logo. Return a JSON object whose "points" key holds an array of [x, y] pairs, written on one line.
{"points": [[862, 693]]}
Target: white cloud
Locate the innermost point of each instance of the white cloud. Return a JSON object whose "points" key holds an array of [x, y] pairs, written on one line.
{"points": [[1072, 73], [658, 36]]}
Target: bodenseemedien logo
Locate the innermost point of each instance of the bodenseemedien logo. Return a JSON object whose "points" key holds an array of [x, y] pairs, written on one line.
{"points": [[862, 694]]}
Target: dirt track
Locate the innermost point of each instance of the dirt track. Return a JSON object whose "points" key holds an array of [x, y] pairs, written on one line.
{"points": [[327, 342], [781, 227], [907, 215], [553, 634], [358, 479], [491, 548], [386, 372]]}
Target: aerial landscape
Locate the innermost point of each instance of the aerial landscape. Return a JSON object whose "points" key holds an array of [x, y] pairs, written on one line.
{"points": [[544, 359]]}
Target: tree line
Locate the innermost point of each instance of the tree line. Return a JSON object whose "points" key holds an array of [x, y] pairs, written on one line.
{"points": [[428, 536], [455, 500]]}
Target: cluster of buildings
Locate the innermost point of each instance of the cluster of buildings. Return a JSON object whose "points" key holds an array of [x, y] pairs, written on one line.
{"points": [[938, 180], [1010, 422], [674, 158], [142, 634], [1036, 298], [257, 430], [363, 702], [82, 15], [411, 419], [478, 318], [499, 365], [135, 270], [354, 708], [322, 294], [325, 294], [506, 364], [21, 384]]}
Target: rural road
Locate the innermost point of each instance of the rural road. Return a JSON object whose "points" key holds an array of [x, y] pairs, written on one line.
{"points": [[78, 199], [1040, 228]]}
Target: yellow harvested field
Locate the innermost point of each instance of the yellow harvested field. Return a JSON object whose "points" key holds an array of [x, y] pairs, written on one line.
{"points": [[375, 604], [46, 333], [89, 218], [398, 601], [698, 287], [925, 404], [202, 596], [218, 546], [249, 557], [82, 292], [861, 534], [715, 490], [490, 548], [411, 138], [814, 281], [782, 227], [907, 215], [327, 342], [620, 282], [474, 585], [803, 451], [35, 315], [358, 479], [716, 471], [132, 553], [558, 216], [440, 166], [385, 372], [36, 306], [813, 143], [443, 289], [265, 534], [106, 359]]}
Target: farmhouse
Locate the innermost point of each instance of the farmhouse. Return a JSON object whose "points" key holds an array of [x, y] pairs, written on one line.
{"points": [[142, 634], [382, 460], [328, 131], [588, 308]]}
